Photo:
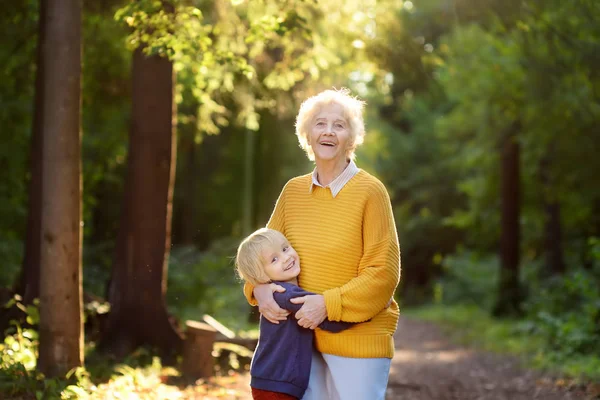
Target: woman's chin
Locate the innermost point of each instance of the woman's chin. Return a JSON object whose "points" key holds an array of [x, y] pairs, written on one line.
{"points": [[326, 156]]}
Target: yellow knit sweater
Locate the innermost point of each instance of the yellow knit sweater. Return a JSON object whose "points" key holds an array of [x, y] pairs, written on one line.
{"points": [[349, 252]]}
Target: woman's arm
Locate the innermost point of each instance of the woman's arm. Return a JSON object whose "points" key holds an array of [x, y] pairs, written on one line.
{"points": [[262, 296], [371, 291], [287, 300], [312, 312], [267, 305], [366, 295]]}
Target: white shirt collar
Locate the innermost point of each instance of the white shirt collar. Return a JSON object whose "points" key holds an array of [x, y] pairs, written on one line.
{"points": [[338, 183]]}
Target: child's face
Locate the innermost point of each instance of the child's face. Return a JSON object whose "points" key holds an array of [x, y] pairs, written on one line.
{"points": [[280, 260]]}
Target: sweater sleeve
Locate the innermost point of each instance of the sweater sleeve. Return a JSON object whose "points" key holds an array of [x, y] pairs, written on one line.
{"points": [[276, 222], [366, 295], [283, 299]]}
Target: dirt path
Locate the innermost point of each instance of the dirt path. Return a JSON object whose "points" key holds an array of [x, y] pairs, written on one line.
{"points": [[427, 367]]}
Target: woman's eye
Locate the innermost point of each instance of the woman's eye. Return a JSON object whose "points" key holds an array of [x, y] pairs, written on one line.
{"points": [[339, 126], [320, 123]]}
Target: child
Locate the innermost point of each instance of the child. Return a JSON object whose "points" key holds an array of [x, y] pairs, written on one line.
{"points": [[281, 364]]}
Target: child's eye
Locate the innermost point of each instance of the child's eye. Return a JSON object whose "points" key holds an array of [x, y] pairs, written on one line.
{"points": [[274, 259], [285, 248]]}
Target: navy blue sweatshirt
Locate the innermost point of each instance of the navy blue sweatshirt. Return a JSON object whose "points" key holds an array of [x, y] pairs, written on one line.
{"points": [[281, 361]]}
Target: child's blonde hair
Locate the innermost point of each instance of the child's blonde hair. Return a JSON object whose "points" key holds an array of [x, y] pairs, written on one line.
{"points": [[249, 260]]}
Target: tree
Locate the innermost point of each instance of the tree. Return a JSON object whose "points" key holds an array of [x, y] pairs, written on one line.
{"points": [[509, 298], [553, 247], [29, 280], [27, 283], [61, 321], [137, 288]]}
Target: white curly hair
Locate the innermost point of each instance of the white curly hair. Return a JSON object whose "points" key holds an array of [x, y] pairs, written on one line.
{"points": [[352, 111]]}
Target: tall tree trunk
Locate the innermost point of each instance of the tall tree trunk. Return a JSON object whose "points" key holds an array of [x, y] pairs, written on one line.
{"points": [[61, 322], [29, 280], [553, 249], [138, 313], [186, 199], [27, 285], [189, 203], [509, 295], [248, 197], [555, 262]]}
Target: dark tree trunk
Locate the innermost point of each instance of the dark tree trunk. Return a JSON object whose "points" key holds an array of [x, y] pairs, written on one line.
{"points": [[248, 197], [188, 221], [61, 321], [186, 200], [27, 284], [138, 313], [555, 262], [509, 295], [553, 250]]}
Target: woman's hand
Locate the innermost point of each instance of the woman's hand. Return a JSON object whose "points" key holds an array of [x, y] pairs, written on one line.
{"points": [[267, 306], [313, 311]]}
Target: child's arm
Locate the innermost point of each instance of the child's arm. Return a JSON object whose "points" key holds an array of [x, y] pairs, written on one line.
{"points": [[283, 299]]}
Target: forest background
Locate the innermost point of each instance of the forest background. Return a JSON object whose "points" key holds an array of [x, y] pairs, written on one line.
{"points": [[482, 121]]}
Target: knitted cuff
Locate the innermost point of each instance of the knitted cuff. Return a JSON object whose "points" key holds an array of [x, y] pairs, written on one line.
{"points": [[333, 303], [249, 293]]}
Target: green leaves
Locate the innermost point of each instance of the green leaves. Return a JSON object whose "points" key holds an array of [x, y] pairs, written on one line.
{"points": [[169, 33]]}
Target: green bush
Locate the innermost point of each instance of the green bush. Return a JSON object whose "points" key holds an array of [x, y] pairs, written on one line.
{"points": [[565, 311], [206, 283], [11, 254], [18, 361], [469, 278]]}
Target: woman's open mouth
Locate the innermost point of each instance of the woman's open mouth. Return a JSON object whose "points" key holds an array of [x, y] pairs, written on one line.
{"points": [[328, 144]]}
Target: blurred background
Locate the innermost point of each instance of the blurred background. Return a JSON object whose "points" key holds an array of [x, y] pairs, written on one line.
{"points": [[482, 122]]}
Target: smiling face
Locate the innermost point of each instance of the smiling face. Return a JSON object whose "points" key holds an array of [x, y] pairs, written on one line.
{"points": [[329, 135], [280, 260]]}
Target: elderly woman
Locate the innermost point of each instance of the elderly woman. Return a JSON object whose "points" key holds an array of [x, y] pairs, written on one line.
{"points": [[339, 219]]}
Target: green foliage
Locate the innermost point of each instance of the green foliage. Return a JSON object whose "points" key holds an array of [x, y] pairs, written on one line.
{"points": [[205, 283], [105, 124], [18, 360], [497, 77], [227, 53], [163, 31], [19, 350], [469, 278], [453, 79], [18, 31], [19, 377], [472, 326], [560, 329], [11, 251], [565, 311]]}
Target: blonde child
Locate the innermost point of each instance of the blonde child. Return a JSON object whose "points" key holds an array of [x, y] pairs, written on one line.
{"points": [[281, 364]]}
